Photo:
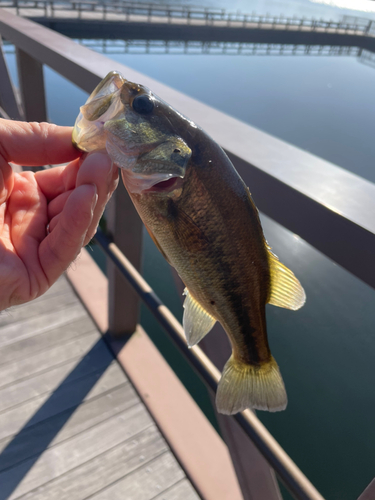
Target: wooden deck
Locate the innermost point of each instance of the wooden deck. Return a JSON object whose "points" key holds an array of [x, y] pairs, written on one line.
{"points": [[72, 426]]}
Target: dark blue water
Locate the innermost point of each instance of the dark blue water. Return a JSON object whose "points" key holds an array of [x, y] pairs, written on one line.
{"points": [[324, 105], [326, 350]]}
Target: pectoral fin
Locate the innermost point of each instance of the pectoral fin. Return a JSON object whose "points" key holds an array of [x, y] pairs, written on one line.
{"points": [[197, 322], [286, 290]]}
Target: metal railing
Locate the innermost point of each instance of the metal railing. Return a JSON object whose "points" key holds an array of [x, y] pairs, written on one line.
{"points": [[333, 201], [190, 14], [216, 48], [105, 46]]}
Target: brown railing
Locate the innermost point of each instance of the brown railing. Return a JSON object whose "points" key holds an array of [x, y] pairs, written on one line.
{"points": [[333, 201]]}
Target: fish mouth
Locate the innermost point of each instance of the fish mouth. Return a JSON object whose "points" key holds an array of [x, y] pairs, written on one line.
{"points": [[165, 186], [155, 183]]}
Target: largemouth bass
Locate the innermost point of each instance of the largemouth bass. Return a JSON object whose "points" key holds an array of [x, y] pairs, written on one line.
{"points": [[202, 218]]}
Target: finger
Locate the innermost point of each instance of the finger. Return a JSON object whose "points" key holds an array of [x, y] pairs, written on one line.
{"points": [[28, 211], [36, 143], [57, 205], [56, 181], [97, 168], [64, 243]]}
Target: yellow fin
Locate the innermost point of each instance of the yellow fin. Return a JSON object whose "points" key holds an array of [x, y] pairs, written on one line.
{"points": [[245, 386], [197, 322], [286, 290]]}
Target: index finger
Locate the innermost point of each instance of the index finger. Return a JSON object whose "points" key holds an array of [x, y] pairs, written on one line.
{"points": [[33, 144]]}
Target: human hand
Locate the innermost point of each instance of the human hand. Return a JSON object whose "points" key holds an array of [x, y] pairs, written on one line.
{"points": [[70, 200]]}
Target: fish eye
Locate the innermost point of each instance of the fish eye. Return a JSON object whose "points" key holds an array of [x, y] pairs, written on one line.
{"points": [[143, 104]]}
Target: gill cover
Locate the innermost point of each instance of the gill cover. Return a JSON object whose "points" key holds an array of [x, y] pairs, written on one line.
{"points": [[126, 120]]}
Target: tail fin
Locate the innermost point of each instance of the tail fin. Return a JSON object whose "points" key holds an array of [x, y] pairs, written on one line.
{"points": [[245, 386]]}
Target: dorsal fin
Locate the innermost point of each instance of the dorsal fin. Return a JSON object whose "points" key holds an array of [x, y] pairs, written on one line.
{"points": [[197, 322], [286, 290]]}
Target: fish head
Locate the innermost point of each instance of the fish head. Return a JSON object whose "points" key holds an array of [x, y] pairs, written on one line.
{"points": [[140, 132]]}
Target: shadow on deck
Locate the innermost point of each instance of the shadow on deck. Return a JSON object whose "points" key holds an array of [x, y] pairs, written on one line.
{"points": [[71, 423]]}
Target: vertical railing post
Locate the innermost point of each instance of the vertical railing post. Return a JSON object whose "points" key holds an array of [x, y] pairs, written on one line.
{"points": [[31, 82], [369, 493], [125, 226], [8, 97]]}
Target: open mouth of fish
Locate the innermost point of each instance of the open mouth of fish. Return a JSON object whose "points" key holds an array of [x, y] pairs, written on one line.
{"points": [[156, 183], [166, 186]]}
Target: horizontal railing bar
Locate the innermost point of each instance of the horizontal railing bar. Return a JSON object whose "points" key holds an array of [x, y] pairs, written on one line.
{"points": [[295, 481]]}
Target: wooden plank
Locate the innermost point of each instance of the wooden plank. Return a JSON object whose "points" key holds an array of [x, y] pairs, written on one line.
{"points": [[46, 360], [17, 393], [104, 469], [61, 286], [52, 303], [74, 452], [183, 490], [43, 341], [70, 394], [33, 440], [45, 303], [29, 327], [146, 482]]}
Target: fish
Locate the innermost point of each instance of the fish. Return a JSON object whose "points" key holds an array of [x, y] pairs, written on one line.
{"points": [[202, 218]]}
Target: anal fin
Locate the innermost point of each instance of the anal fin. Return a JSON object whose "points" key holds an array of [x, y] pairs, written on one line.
{"points": [[286, 290], [197, 322]]}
